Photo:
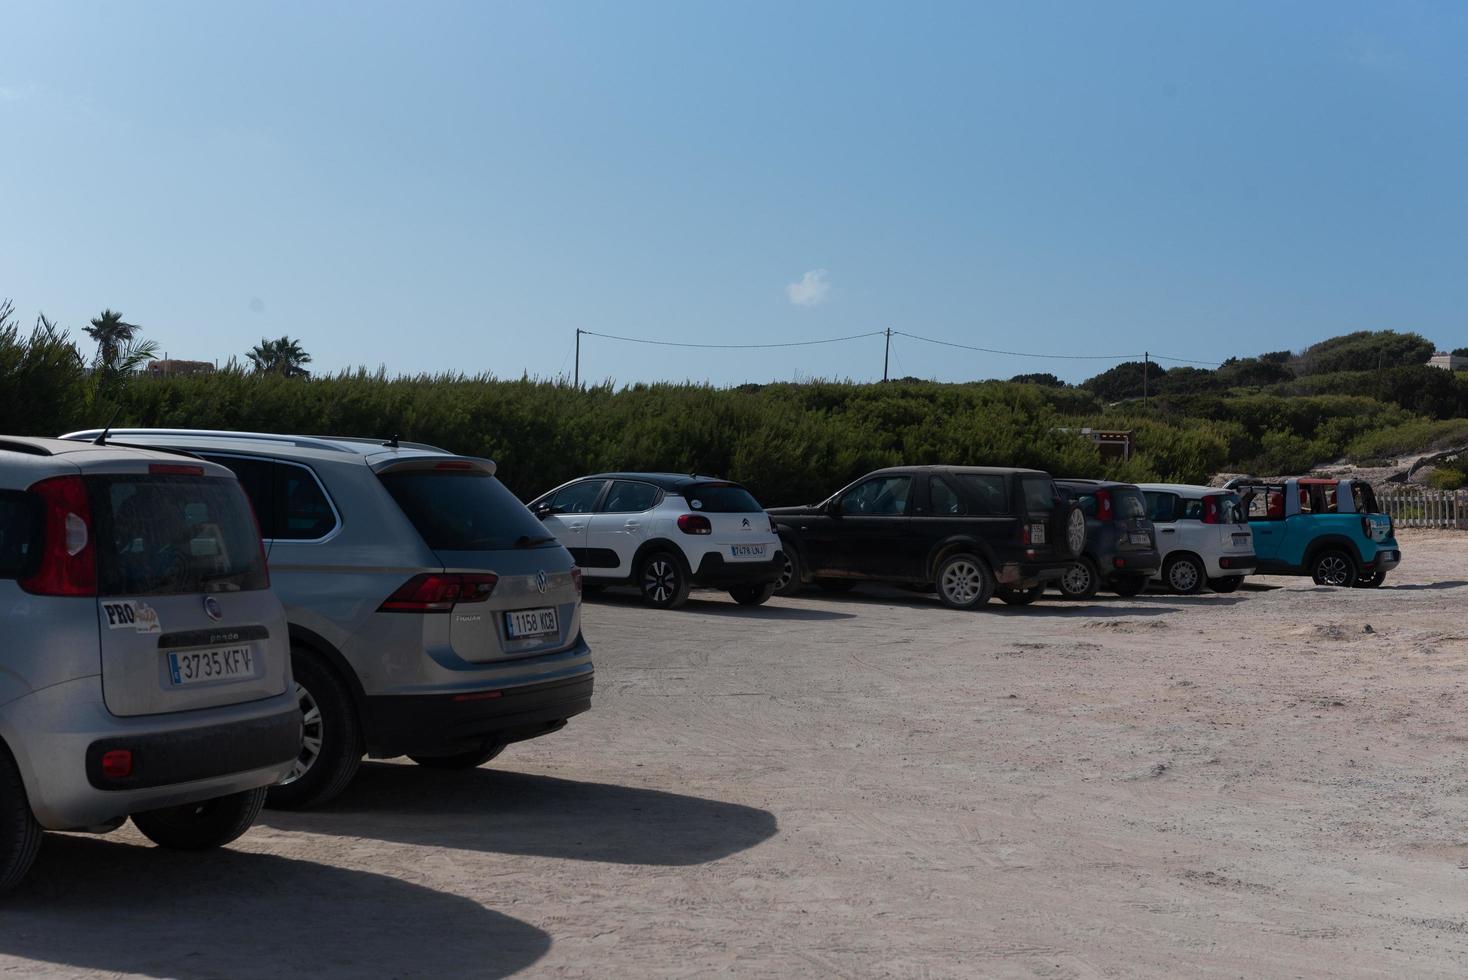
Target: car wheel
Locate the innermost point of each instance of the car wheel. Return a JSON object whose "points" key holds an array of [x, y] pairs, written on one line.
{"points": [[662, 581], [331, 739], [203, 825], [1369, 580], [1075, 532], [1183, 574], [835, 585], [1081, 579], [1127, 586], [1019, 597], [20, 835], [752, 595], [1226, 584], [964, 582], [789, 581], [461, 760], [1333, 567]]}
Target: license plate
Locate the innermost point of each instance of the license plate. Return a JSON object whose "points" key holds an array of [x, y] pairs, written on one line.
{"points": [[531, 622], [747, 550], [1242, 538], [1037, 534], [202, 666], [1141, 538]]}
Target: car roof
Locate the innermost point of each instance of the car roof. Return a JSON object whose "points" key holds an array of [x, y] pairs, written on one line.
{"points": [[267, 443], [663, 481], [1098, 484], [34, 452], [943, 468], [1182, 488]]}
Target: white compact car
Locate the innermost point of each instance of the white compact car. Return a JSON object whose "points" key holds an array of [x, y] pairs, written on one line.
{"points": [[665, 533], [1203, 537]]}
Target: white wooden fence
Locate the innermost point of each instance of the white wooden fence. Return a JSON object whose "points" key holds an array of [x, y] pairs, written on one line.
{"points": [[1425, 507]]}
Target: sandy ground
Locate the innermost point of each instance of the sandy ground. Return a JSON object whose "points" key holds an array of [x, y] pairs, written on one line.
{"points": [[1245, 785]]}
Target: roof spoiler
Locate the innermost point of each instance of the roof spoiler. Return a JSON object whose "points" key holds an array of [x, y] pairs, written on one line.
{"points": [[451, 464]]}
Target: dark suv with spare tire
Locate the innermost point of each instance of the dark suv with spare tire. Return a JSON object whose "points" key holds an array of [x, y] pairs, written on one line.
{"points": [[1121, 544], [968, 532]]}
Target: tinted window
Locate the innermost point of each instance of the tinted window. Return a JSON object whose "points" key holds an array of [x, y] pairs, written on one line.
{"points": [[1192, 509], [578, 498], [884, 495], [1161, 506], [1039, 494], [462, 510], [721, 498], [257, 478], [626, 497], [1230, 509], [944, 498], [288, 501], [166, 535], [1128, 504], [1087, 503], [988, 493], [18, 528]]}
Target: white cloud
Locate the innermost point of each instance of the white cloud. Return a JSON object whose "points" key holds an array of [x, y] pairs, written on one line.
{"points": [[812, 289]]}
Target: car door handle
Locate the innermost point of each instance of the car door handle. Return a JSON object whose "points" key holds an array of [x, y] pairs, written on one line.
{"points": [[632, 525], [577, 527], [1169, 530]]}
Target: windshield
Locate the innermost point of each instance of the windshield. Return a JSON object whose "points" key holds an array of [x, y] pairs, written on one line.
{"points": [[174, 534], [721, 498], [464, 510]]}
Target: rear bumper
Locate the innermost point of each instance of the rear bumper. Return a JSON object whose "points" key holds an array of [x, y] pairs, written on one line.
{"points": [[1127, 562], [1028, 574], [713, 571], [444, 724], [57, 736], [1386, 560], [1237, 564]]}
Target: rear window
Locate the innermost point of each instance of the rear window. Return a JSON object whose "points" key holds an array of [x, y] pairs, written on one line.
{"points": [[1231, 509], [1365, 498], [721, 498], [464, 510], [174, 534], [1128, 504], [18, 529]]}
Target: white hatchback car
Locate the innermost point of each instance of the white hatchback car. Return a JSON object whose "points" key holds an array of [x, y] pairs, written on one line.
{"points": [[1203, 537], [665, 533]]}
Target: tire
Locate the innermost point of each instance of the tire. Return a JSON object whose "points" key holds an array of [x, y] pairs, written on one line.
{"points": [[462, 760], [202, 826], [1073, 532], [964, 582], [789, 581], [1184, 574], [1370, 580], [1127, 586], [752, 595], [1333, 567], [662, 580], [1019, 597], [331, 744], [835, 585], [20, 835], [1081, 579], [1226, 584]]}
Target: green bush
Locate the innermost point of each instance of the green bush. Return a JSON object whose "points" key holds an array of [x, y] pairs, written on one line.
{"points": [[1415, 436], [1447, 479]]}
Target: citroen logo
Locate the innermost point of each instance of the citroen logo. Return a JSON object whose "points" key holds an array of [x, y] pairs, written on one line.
{"points": [[746, 522], [540, 581], [213, 609]]}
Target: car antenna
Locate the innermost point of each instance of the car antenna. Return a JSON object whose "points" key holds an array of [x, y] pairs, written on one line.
{"points": [[393, 442], [101, 439]]}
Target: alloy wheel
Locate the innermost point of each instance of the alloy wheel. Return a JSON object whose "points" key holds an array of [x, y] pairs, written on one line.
{"points": [[1075, 531], [962, 582], [311, 733], [1183, 577], [1077, 579], [787, 572], [1333, 570], [660, 581]]}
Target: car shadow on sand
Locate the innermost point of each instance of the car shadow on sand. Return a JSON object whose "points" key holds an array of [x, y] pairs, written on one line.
{"points": [[697, 603], [116, 907], [493, 810], [1423, 586]]}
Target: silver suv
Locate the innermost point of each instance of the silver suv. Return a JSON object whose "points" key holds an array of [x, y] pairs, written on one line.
{"points": [[144, 667], [431, 615]]}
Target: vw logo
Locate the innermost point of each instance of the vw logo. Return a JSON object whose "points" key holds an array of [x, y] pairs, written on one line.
{"points": [[213, 609], [541, 582]]}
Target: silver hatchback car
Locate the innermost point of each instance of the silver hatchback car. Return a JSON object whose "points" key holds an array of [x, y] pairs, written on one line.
{"points": [[431, 615], [144, 665]]}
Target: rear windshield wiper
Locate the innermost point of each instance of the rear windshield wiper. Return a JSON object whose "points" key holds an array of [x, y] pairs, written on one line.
{"points": [[526, 541]]}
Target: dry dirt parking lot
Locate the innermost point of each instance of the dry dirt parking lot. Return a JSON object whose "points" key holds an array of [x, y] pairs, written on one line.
{"points": [[1271, 783]]}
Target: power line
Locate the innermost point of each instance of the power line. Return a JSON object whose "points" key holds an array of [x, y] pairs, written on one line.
{"points": [[1184, 360], [1015, 353], [676, 343]]}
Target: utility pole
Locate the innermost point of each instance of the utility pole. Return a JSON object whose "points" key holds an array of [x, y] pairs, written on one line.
{"points": [[1146, 363], [577, 381], [887, 354]]}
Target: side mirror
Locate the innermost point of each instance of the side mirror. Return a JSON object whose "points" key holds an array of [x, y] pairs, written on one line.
{"points": [[832, 507], [543, 510]]}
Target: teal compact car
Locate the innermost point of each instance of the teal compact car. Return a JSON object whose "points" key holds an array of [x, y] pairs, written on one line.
{"points": [[1331, 530]]}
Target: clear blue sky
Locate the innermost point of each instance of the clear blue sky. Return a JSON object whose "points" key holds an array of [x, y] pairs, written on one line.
{"points": [[445, 186]]}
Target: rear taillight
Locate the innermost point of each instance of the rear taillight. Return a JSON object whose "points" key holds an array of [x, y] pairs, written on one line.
{"points": [[68, 560], [117, 763], [576, 579], [435, 592], [1211, 512], [1103, 504], [1024, 534], [1366, 527], [695, 524]]}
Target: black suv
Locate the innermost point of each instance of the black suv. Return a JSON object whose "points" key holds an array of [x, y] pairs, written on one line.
{"points": [[1121, 544], [970, 532]]}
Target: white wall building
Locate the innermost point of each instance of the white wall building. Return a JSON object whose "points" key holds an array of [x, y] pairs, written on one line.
{"points": [[1449, 362]]}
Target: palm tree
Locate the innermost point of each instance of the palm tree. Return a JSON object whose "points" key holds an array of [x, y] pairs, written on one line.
{"points": [[111, 335], [284, 357]]}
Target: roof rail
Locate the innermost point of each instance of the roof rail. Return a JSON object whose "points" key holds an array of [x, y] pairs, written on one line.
{"points": [[15, 446], [329, 443]]}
